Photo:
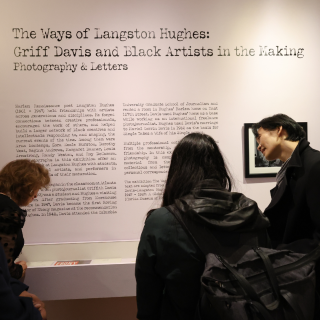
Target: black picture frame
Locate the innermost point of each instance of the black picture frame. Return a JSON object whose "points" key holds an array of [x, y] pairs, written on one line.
{"points": [[256, 166]]}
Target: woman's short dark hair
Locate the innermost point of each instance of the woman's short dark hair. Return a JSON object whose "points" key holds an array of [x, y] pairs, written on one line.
{"points": [[195, 158], [19, 178], [294, 130]]}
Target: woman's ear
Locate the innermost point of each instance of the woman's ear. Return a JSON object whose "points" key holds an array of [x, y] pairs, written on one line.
{"points": [[282, 132], [279, 130]]}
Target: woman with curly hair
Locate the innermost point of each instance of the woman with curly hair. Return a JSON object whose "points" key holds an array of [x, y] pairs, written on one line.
{"points": [[20, 181]]}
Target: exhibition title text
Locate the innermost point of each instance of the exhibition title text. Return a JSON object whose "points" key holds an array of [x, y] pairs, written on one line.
{"points": [[115, 51]]}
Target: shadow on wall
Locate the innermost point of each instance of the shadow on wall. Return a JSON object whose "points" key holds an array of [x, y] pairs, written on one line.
{"points": [[123, 308], [258, 180]]}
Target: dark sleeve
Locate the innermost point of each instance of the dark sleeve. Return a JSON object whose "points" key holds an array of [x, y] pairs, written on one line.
{"points": [[18, 286], [167, 256], [11, 305], [313, 196], [9, 231], [16, 270], [150, 286]]}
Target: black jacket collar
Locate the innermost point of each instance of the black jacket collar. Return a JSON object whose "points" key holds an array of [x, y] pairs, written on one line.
{"points": [[294, 162]]}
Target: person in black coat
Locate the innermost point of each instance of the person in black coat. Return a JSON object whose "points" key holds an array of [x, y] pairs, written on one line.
{"points": [[294, 211], [15, 301], [169, 263]]}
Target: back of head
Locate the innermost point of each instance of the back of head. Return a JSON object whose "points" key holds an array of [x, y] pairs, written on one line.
{"points": [[195, 158], [19, 178], [294, 130]]}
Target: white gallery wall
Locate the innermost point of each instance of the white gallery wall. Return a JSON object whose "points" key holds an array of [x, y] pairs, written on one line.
{"points": [[101, 91]]}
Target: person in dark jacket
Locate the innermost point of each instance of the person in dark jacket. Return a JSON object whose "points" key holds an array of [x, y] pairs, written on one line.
{"points": [[294, 211], [169, 263], [15, 301], [20, 181]]}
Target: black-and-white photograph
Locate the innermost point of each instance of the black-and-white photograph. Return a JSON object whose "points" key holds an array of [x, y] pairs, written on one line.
{"points": [[256, 165]]}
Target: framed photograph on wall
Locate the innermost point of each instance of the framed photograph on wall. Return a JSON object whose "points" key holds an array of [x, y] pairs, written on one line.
{"points": [[256, 166]]}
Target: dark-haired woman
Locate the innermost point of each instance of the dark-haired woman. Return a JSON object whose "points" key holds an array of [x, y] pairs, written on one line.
{"points": [[169, 264], [20, 181]]}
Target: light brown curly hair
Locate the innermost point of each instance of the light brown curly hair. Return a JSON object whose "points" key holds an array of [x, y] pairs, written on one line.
{"points": [[19, 178]]}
